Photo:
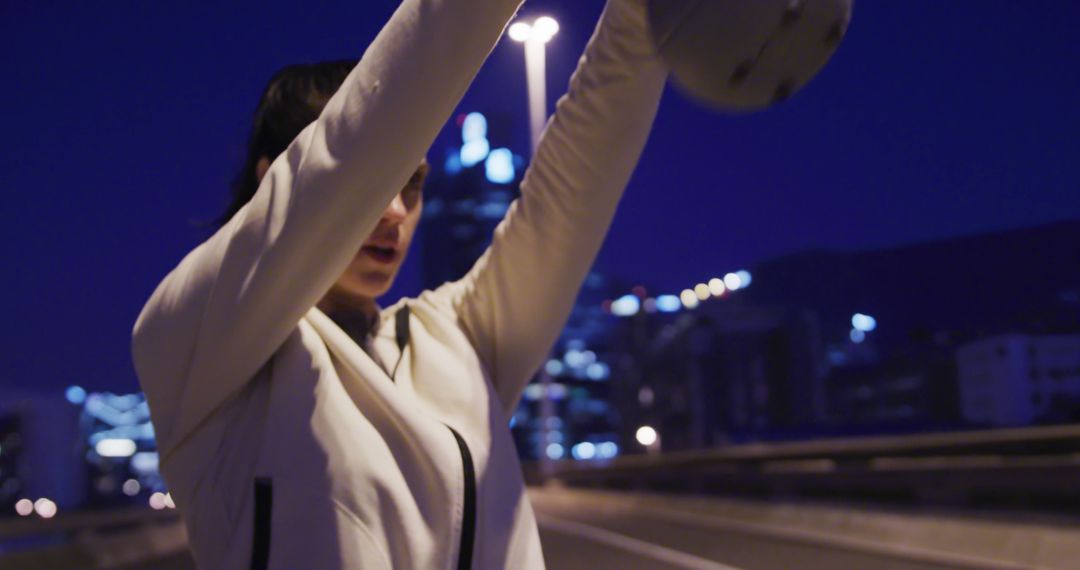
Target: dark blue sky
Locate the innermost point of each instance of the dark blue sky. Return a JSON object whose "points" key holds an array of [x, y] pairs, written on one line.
{"points": [[124, 122]]}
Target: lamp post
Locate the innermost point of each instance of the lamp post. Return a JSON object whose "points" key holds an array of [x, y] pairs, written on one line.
{"points": [[535, 36]]}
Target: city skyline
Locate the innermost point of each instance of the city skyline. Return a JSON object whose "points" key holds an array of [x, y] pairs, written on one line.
{"points": [[117, 151]]}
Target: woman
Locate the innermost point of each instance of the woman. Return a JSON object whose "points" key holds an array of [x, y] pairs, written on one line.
{"points": [[299, 425]]}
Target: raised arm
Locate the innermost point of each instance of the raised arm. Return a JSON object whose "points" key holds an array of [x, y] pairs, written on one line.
{"points": [[219, 315], [517, 297]]}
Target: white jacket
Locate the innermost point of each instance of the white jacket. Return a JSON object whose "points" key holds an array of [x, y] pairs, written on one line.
{"points": [[284, 444]]}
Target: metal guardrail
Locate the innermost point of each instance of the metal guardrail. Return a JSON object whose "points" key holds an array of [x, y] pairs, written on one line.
{"points": [[114, 539], [67, 522], [1028, 468]]}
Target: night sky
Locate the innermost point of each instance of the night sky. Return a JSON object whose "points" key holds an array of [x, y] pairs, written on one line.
{"points": [[125, 121]]}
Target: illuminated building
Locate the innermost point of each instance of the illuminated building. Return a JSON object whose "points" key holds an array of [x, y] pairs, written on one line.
{"points": [[464, 199], [76, 449], [467, 196], [120, 449]]}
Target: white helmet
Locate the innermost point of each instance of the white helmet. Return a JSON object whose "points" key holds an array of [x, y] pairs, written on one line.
{"points": [[744, 55]]}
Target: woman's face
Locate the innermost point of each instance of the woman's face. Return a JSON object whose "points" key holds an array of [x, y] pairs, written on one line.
{"points": [[372, 270]]}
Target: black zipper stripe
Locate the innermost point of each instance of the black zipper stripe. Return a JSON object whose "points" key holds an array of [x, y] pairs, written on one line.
{"points": [[468, 518], [264, 507]]}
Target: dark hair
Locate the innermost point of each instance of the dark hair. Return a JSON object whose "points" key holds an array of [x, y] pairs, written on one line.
{"points": [[292, 100]]}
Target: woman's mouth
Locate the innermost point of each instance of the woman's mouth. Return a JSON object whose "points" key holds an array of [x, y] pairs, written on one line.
{"points": [[380, 254]]}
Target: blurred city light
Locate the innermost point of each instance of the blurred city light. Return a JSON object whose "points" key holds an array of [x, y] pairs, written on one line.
{"points": [[668, 304], [555, 451], [474, 151], [574, 358], [131, 487], [646, 396], [534, 392], [744, 278], [145, 462], [689, 299], [157, 501], [45, 508], [127, 416], [598, 371], [499, 166], [646, 435], [857, 336], [75, 394], [474, 137], [25, 507], [607, 450], [702, 292], [864, 323], [115, 448], [169, 501], [732, 281], [554, 367], [453, 163], [584, 450], [474, 127], [625, 306], [556, 391], [716, 286]]}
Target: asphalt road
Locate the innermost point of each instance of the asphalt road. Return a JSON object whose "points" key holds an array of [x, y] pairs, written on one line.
{"points": [[589, 535], [599, 531]]}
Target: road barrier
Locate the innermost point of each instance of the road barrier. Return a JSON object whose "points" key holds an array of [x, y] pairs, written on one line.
{"points": [[1025, 468]]}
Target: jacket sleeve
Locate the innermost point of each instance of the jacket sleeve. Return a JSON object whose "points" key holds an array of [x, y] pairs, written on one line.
{"points": [[514, 301], [222, 312]]}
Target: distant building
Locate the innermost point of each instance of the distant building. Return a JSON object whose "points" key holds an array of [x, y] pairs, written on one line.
{"points": [[41, 453], [465, 199], [937, 293], [1011, 380], [723, 371], [583, 422], [120, 448], [910, 393], [11, 484], [77, 449]]}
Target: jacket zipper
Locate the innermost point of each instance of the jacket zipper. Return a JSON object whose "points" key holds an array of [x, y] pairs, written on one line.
{"points": [[260, 544], [468, 515]]}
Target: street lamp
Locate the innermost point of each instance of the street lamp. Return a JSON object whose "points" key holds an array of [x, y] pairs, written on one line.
{"points": [[535, 36]]}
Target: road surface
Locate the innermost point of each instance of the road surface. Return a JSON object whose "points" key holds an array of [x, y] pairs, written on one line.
{"points": [[595, 530], [592, 534]]}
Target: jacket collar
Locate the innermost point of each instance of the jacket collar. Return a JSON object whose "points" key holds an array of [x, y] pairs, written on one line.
{"points": [[344, 347]]}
